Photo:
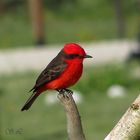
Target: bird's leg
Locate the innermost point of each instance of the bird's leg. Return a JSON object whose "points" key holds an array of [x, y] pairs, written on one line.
{"points": [[64, 92], [61, 91], [69, 91]]}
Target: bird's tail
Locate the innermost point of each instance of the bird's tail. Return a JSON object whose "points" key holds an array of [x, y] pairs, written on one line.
{"points": [[30, 101]]}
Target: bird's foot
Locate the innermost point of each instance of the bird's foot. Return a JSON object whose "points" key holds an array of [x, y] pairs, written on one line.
{"points": [[62, 91], [65, 92], [69, 91]]}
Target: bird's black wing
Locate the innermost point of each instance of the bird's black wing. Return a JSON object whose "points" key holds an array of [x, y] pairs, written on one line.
{"points": [[51, 72]]}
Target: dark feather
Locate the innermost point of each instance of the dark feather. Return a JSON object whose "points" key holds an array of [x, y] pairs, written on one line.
{"points": [[29, 102], [54, 69]]}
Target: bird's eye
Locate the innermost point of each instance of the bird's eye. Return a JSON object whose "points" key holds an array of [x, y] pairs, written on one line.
{"points": [[72, 56]]}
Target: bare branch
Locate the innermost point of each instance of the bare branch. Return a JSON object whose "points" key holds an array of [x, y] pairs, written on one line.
{"points": [[128, 128], [74, 126]]}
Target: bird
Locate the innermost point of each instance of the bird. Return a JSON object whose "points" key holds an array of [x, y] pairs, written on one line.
{"points": [[61, 73]]}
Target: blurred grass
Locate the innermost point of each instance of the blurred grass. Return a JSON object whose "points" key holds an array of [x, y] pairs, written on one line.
{"points": [[81, 22], [99, 112]]}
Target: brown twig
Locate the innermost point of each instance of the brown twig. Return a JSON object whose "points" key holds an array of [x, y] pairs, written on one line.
{"points": [[74, 126], [128, 128]]}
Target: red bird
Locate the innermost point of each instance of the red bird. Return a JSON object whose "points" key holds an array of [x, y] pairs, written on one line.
{"points": [[62, 72]]}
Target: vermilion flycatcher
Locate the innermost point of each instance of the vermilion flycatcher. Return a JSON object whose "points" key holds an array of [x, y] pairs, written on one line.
{"points": [[62, 72]]}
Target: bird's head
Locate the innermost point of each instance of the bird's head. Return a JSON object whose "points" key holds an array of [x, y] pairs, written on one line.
{"points": [[74, 52]]}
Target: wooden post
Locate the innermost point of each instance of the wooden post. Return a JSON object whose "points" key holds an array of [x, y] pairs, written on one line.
{"points": [[74, 126], [128, 128], [119, 17], [135, 54], [36, 10], [1, 7], [139, 26]]}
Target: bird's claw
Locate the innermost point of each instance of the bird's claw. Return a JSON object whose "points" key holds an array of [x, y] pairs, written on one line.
{"points": [[65, 92], [62, 91], [69, 91]]}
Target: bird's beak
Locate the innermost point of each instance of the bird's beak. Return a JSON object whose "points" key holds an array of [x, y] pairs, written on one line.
{"points": [[88, 56]]}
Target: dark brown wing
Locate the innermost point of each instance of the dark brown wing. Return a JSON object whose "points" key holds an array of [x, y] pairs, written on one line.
{"points": [[51, 72]]}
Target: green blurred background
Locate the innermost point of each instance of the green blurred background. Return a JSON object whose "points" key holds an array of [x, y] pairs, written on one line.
{"points": [[67, 21]]}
